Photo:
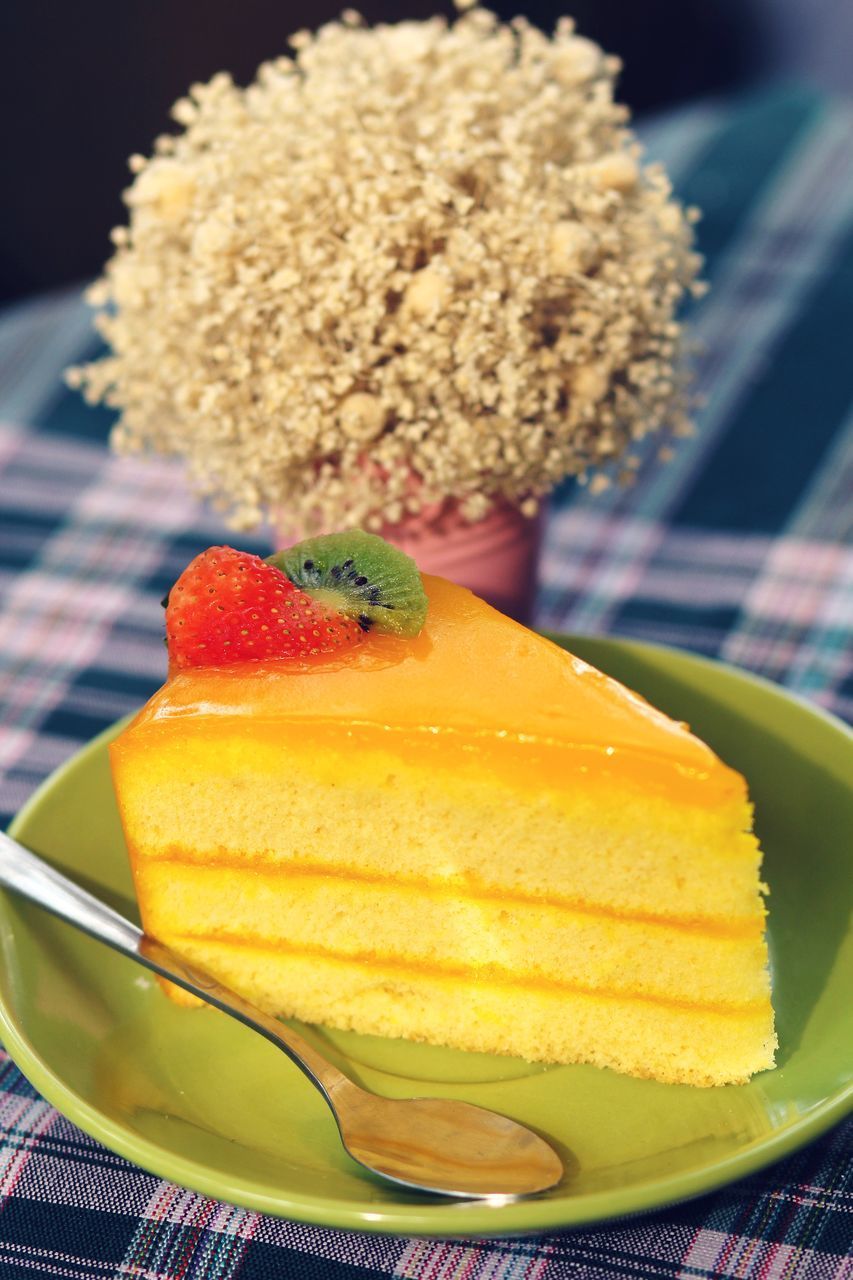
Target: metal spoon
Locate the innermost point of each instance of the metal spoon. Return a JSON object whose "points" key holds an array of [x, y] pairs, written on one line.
{"points": [[432, 1144]]}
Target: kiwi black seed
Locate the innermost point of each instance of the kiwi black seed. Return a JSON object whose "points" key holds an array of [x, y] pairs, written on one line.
{"points": [[362, 576]]}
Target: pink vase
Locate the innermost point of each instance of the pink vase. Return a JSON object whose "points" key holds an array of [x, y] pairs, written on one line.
{"points": [[496, 557]]}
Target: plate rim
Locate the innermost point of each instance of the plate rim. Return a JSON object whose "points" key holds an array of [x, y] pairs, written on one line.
{"points": [[435, 1218]]}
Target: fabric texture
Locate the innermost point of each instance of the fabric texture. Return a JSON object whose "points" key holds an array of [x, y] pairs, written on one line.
{"points": [[740, 547]]}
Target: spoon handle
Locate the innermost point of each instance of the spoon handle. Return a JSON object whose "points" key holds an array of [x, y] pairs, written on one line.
{"points": [[28, 875]]}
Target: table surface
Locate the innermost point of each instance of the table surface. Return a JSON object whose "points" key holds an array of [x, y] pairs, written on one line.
{"points": [[739, 548]]}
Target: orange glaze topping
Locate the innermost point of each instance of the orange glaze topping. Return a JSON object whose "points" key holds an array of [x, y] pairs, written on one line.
{"points": [[471, 678]]}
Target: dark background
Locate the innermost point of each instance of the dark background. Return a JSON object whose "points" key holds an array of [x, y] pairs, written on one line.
{"points": [[84, 83]]}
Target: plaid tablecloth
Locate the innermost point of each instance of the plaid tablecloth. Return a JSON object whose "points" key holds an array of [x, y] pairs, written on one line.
{"points": [[740, 547]]}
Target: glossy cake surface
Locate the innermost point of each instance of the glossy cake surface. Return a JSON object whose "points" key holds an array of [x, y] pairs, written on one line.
{"points": [[470, 837]]}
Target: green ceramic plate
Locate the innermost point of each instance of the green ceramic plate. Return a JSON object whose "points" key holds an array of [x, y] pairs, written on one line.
{"points": [[194, 1097]]}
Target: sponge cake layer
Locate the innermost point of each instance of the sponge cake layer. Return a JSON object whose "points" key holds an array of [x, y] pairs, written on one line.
{"points": [[666, 1042], [451, 931]]}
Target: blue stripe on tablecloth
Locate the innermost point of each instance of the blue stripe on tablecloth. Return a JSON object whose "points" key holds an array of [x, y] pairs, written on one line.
{"points": [[23, 535], [804, 640], [843, 700], [810, 199], [676, 139], [271, 1262], [741, 160], [823, 509], [380, 1253], [75, 720], [38, 339], [646, 618], [748, 483], [68, 413], [26, 1248]]}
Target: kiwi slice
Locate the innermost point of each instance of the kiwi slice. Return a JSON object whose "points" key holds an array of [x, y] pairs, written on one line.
{"points": [[362, 576]]}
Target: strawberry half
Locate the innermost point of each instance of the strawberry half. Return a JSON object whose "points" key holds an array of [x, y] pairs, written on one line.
{"points": [[230, 606]]}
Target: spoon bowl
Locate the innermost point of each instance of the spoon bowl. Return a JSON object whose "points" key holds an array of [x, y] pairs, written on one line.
{"points": [[448, 1147]]}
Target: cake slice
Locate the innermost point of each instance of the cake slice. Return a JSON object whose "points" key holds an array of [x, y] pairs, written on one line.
{"points": [[468, 837]]}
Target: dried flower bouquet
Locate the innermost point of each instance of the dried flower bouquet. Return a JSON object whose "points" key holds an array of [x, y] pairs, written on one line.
{"points": [[410, 264]]}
